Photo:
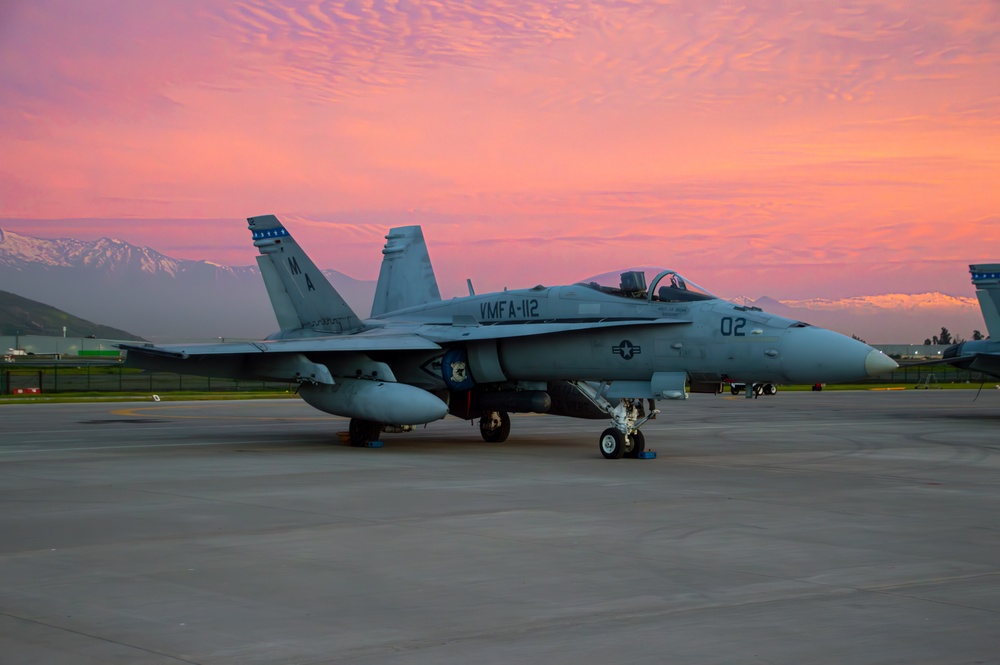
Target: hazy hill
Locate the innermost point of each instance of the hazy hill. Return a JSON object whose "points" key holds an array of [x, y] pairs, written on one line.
{"points": [[21, 316]]}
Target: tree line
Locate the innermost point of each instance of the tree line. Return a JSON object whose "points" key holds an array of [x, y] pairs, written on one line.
{"points": [[944, 337]]}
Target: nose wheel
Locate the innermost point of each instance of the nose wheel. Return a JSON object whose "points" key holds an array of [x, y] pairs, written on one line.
{"points": [[636, 444], [615, 445], [612, 443]]}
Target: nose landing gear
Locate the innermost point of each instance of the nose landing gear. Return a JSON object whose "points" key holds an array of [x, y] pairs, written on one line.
{"points": [[623, 438]]}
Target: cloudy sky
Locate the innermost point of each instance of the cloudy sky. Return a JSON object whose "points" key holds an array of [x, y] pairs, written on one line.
{"points": [[792, 149]]}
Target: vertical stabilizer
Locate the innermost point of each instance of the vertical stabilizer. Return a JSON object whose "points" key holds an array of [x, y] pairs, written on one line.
{"points": [[406, 277], [284, 311], [986, 279], [300, 294]]}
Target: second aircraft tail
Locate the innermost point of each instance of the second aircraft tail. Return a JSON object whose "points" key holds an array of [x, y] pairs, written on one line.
{"points": [[302, 297], [986, 279]]}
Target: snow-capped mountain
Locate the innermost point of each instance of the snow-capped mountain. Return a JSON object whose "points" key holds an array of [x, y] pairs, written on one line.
{"points": [[107, 253], [140, 289]]}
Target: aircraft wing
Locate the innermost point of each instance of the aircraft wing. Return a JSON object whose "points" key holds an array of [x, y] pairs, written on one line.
{"points": [[334, 344], [985, 363], [460, 332]]}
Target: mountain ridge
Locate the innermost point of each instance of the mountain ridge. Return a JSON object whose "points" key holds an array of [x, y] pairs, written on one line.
{"points": [[141, 289]]}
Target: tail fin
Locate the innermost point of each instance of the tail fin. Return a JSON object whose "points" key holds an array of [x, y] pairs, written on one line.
{"points": [[301, 296], [406, 277], [986, 279]]}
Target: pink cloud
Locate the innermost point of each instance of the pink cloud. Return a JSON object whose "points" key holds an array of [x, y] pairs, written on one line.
{"points": [[817, 147]]}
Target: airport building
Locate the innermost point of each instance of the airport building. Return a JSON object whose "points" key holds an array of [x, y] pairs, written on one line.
{"points": [[17, 346]]}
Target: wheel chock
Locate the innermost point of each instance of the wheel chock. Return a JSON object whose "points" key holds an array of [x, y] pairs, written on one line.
{"points": [[374, 444], [647, 454]]}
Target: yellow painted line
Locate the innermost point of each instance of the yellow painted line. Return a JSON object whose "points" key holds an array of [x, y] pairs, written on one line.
{"points": [[145, 411]]}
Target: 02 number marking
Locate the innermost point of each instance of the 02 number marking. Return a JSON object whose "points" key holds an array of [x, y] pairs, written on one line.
{"points": [[734, 328]]}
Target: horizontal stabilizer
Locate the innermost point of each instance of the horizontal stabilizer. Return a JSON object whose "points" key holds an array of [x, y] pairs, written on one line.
{"points": [[150, 350]]}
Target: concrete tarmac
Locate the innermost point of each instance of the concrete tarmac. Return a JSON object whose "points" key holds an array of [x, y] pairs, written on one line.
{"points": [[833, 527]]}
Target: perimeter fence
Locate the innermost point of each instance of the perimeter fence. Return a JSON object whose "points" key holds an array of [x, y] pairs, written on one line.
{"points": [[116, 378], [927, 375]]}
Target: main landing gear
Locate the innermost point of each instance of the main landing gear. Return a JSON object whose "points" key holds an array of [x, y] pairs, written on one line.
{"points": [[623, 438], [363, 432], [495, 426]]}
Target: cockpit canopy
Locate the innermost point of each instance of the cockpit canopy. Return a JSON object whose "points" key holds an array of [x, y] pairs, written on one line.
{"points": [[650, 284]]}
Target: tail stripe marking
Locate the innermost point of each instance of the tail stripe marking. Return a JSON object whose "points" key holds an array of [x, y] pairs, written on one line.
{"points": [[279, 232]]}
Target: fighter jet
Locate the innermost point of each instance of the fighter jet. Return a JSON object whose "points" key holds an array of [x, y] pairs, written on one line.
{"points": [[981, 355], [606, 347]]}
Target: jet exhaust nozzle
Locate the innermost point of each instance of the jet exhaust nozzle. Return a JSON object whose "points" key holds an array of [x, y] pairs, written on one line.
{"points": [[953, 351]]}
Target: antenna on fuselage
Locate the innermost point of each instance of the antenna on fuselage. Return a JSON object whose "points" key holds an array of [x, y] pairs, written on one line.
{"points": [[472, 291]]}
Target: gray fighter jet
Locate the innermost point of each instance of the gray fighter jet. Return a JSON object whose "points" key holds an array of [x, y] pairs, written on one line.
{"points": [[605, 347], [981, 355]]}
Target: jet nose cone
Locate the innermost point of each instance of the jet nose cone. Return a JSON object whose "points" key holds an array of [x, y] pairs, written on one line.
{"points": [[814, 355], [877, 363]]}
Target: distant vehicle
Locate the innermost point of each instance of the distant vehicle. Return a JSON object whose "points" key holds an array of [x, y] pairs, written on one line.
{"points": [[758, 389], [13, 353], [599, 348]]}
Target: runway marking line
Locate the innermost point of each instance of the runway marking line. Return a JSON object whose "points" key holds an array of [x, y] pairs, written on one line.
{"points": [[141, 411]]}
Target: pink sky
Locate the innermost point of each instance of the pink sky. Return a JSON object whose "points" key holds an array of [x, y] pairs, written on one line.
{"points": [[789, 149]]}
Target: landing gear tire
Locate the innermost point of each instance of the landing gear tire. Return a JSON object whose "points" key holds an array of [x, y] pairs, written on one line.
{"points": [[770, 389], [612, 443], [495, 426], [734, 390], [758, 390], [636, 444], [363, 431]]}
